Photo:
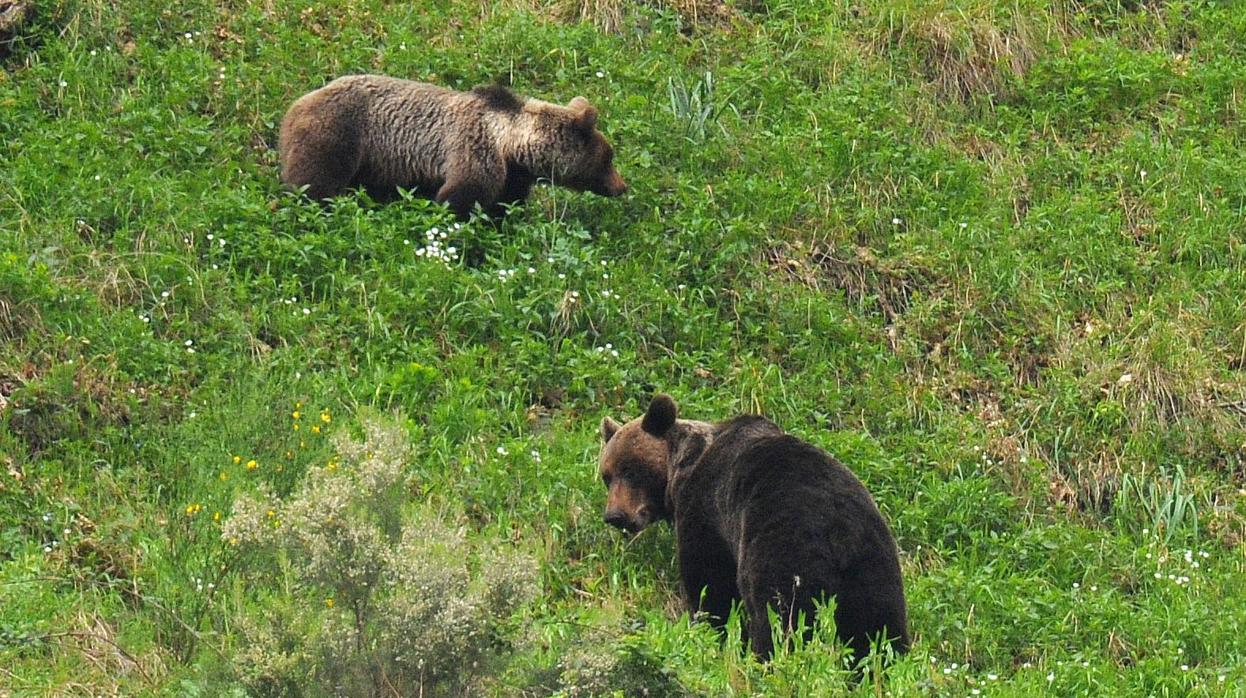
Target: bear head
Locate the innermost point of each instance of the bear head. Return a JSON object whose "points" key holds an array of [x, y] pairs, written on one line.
{"points": [[582, 159], [639, 458]]}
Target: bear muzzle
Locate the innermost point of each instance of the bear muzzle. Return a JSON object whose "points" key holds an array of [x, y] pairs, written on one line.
{"points": [[633, 523], [613, 185]]}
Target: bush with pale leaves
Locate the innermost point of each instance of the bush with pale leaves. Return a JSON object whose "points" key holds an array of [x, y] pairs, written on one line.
{"points": [[385, 594]]}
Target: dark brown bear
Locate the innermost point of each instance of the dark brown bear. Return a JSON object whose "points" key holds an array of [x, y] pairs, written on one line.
{"points": [[761, 518], [487, 146]]}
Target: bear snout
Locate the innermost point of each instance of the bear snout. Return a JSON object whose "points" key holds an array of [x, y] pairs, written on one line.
{"points": [[618, 518], [613, 185], [629, 522]]}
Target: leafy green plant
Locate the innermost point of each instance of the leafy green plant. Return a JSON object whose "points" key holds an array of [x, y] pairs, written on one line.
{"points": [[694, 105], [1163, 503]]}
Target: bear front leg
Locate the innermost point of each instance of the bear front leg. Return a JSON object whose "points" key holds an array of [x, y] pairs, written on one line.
{"points": [[470, 181], [462, 197], [707, 572], [514, 191]]}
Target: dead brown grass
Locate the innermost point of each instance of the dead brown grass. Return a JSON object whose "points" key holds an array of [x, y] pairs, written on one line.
{"points": [[701, 12], [889, 283], [112, 668], [969, 50], [610, 15]]}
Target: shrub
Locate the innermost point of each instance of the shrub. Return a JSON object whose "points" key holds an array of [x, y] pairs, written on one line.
{"points": [[387, 599], [615, 666]]}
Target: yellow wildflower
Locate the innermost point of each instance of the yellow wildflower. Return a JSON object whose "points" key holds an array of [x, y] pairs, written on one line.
{"points": [[316, 429], [329, 602], [296, 414], [252, 465], [237, 460], [224, 476], [324, 416], [216, 516], [296, 427]]}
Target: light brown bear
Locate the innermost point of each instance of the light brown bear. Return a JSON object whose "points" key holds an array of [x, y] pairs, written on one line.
{"points": [[762, 519], [486, 146]]}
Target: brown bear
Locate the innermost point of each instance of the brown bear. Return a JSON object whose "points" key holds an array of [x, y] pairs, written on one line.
{"points": [[486, 146], [761, 518]]}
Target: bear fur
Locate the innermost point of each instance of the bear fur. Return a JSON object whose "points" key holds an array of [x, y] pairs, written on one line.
{"points": [[761, 519], [486, 146]]}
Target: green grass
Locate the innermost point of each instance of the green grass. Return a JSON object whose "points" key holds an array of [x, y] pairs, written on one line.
{"points": [[988, 253]]}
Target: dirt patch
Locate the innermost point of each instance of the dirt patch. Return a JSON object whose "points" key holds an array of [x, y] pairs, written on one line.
{"points": [[99, 645], [1028, 359], [700, 12]]}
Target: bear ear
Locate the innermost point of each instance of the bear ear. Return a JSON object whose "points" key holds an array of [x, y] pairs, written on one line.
{"points": [[609, 428], [585, 113], [661, 415]]}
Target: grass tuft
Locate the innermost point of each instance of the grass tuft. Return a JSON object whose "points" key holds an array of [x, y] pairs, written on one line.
{"points": [[971, 51]]}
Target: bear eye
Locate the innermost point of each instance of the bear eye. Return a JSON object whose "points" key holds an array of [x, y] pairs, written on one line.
{"points": [[606, 479]]}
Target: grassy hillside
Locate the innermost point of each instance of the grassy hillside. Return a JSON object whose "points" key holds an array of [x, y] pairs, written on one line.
{"points": [[991, 254]]}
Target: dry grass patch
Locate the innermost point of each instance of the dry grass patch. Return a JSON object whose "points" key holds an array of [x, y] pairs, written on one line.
{"points": [[98, 643], [610, 15], [889, 283], [968, 49]]}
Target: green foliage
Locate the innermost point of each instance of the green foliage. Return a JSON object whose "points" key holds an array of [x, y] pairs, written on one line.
{"points": [[615, 667], [383, 599], [695, 107], [1162, 504], [990, 254]]}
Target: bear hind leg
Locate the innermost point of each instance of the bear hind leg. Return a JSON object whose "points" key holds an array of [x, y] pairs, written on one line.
{"points": [[713, 597], [870, 615], [771, 584], [794, 607], [325, 160]]}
